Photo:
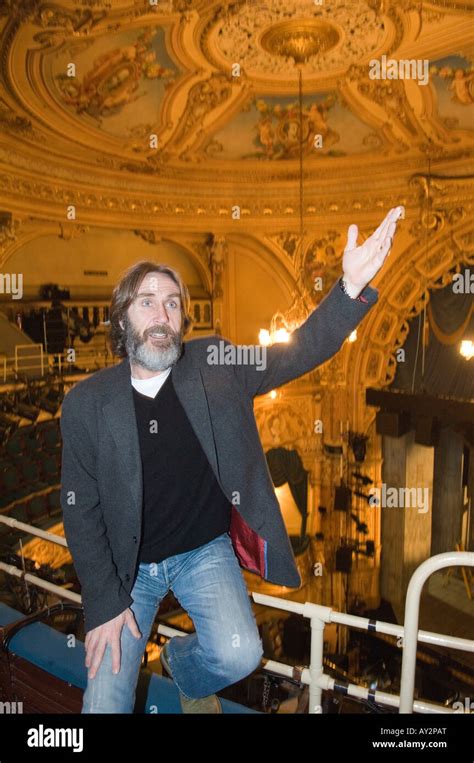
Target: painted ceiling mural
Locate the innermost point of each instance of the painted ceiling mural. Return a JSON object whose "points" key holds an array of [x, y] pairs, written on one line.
{"points": [[269, 128], [121, 81], [140, 113], [453, 81]]}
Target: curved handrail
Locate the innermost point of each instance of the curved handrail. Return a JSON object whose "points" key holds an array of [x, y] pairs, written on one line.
{"points": [[412, 611]]}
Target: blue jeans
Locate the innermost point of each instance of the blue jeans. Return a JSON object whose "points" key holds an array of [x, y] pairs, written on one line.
{"points": [[225, 647]]}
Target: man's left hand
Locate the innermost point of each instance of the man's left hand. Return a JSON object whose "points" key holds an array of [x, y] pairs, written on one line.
{"points": [[361, 263]]}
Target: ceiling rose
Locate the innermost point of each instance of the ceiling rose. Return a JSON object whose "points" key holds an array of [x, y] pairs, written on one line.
{"points": [[273, 39], [300, 39]]}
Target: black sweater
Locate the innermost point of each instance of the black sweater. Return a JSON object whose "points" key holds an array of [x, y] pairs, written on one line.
{"points": [[183, 504]]}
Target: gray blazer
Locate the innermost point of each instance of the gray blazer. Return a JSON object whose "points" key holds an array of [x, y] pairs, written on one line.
{"points": [[101, 490]]}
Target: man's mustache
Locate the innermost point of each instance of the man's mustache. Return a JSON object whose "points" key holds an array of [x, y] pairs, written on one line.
{"points": [[160, 330]]}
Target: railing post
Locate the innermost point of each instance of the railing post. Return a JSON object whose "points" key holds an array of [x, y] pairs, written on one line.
{"points": [[412, 611], [316, 664]]}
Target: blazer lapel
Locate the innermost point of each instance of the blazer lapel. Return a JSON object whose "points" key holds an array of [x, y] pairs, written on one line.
{"points": [[119, 414], [189, 387]]}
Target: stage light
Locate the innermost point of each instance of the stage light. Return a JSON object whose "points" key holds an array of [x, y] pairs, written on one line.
{"points": [[358, 445], [360, 526], [369, 548]]}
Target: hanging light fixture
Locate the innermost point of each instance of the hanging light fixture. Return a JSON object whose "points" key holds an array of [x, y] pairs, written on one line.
{"points": [[299, 40]]}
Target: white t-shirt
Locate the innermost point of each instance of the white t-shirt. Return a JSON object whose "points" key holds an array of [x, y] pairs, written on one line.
{"points": [[150, 387]]}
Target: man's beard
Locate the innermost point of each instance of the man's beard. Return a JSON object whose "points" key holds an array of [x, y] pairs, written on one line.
{"points": [[152, 357]]}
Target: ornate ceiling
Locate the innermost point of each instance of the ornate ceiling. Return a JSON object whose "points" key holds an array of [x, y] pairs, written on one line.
{"points": [[181, 109], [164, 117]]}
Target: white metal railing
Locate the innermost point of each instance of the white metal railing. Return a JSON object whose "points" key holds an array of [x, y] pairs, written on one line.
{"points": [[319, 616], [20, 358], [28, 577], [41, 363], [10, 569], [32, 530], [412, 609]]}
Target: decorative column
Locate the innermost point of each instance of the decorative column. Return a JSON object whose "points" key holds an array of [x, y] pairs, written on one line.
{"points": [[218, 252]]}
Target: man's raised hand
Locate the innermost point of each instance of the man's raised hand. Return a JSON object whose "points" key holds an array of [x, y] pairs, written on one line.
{"points": [[361, 263]]}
